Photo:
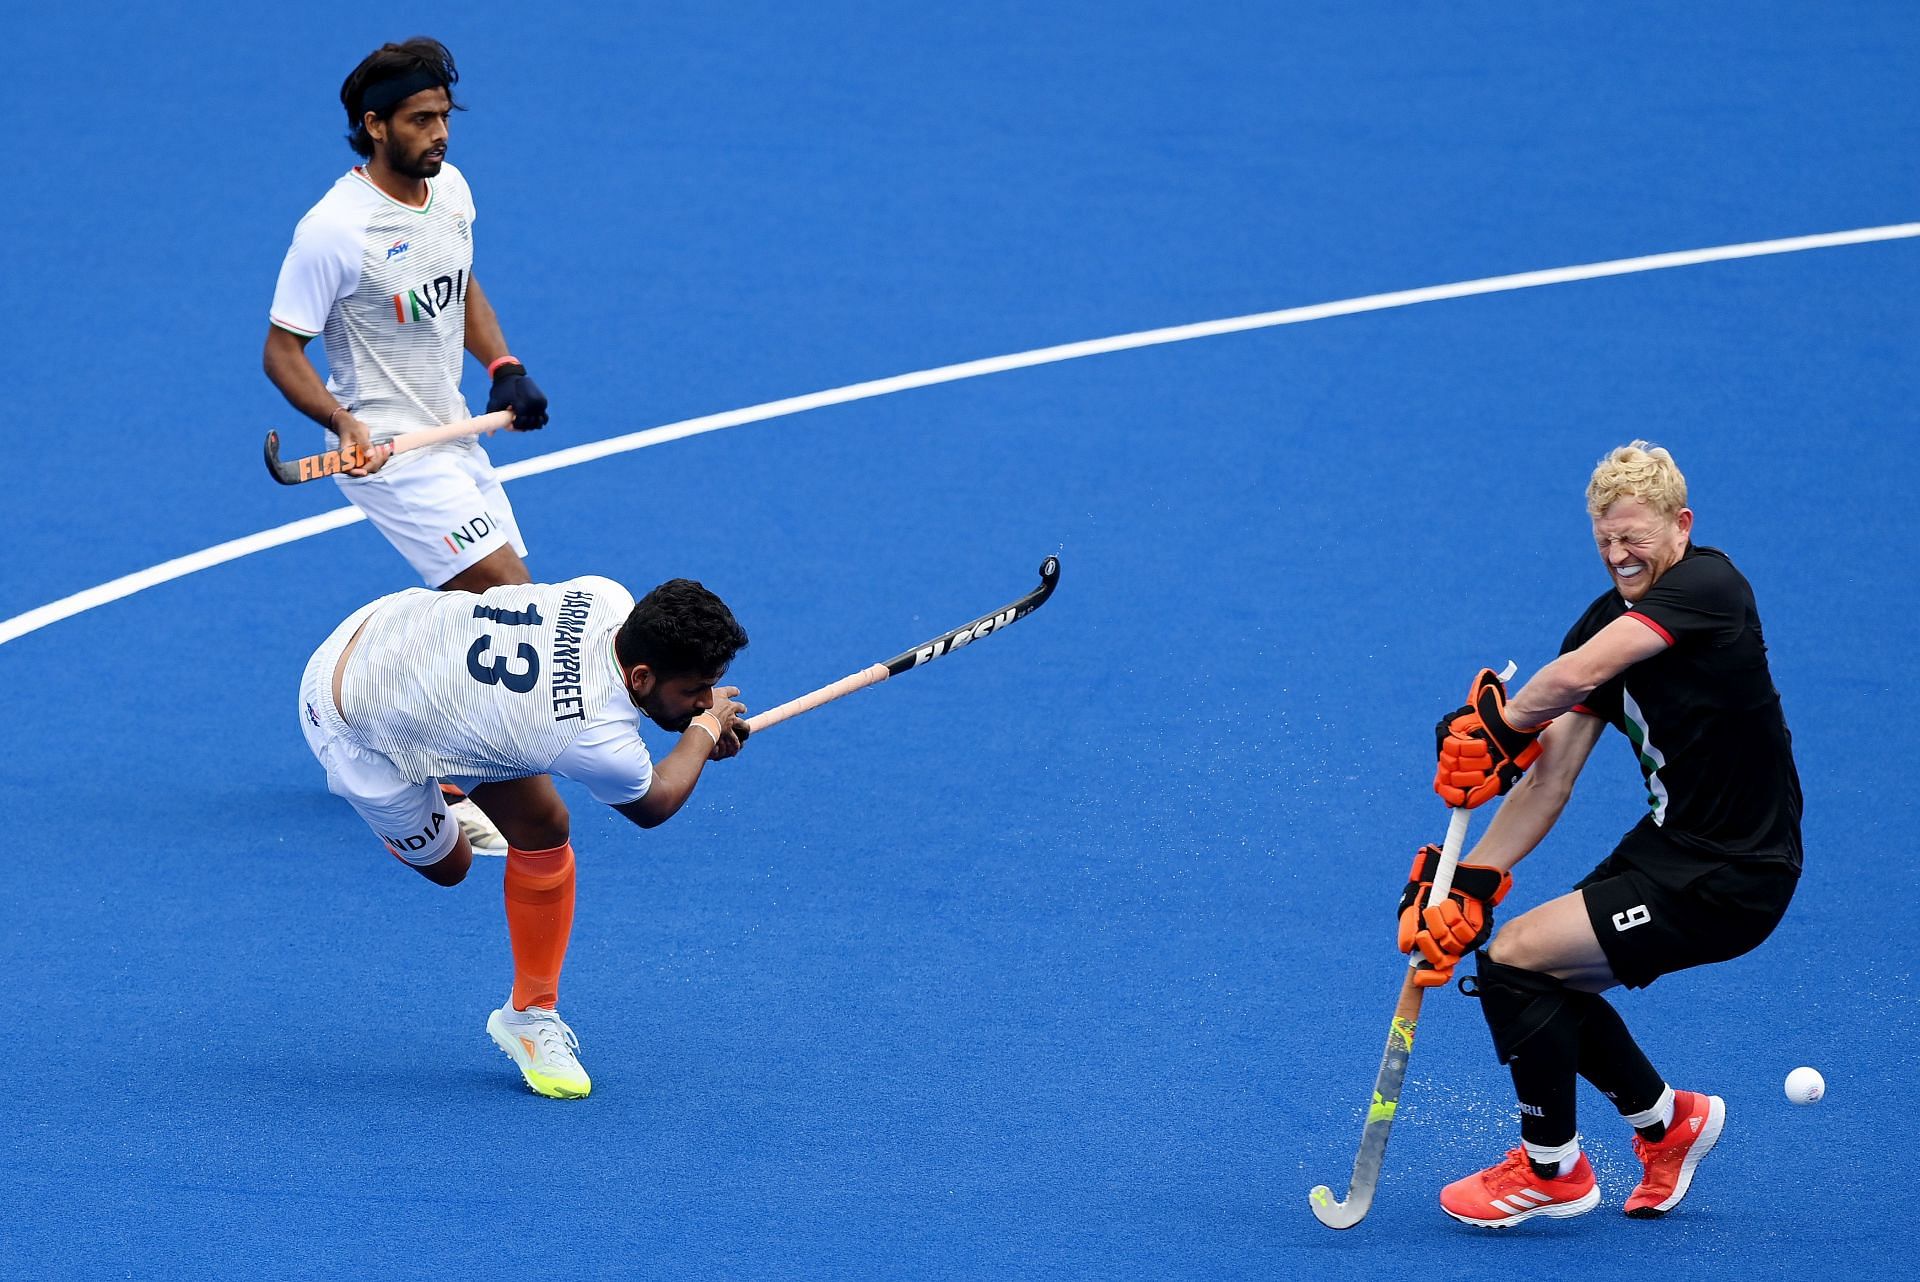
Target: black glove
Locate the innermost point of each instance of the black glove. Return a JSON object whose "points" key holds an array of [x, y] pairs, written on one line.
{"points": [[513, 390]]}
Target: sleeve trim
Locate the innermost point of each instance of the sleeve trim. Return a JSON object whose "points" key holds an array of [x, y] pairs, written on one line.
{"points": [[291, 329], [1663, 633]]}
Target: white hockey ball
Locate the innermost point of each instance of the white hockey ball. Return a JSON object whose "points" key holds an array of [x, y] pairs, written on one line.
{"points": [[1806, 1086]]}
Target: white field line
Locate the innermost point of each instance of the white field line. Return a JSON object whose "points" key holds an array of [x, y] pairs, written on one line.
{"points": [[234, 549]]}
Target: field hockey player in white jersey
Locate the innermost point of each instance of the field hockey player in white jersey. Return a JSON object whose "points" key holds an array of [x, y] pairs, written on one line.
{"points": [[381, 269], [503, 689]]}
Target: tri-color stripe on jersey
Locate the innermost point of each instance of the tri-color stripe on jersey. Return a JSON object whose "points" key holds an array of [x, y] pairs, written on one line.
{"points": [[1652, 760]]}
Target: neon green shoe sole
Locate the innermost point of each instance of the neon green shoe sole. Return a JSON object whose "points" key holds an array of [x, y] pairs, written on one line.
{"points": [[542, 1049]]}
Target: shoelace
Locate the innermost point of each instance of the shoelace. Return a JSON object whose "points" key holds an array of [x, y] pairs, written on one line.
{"points": [[1651, 1153], [553, 1035], [1515, 1170]]}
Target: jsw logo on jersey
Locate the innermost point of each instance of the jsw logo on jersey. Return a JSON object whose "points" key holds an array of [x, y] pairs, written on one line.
{"points": [[424, 302], [396, 249], [964, 636]]}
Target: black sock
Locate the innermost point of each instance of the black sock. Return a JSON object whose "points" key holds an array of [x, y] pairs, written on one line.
{"points": [[1614, 1063], [1543, 1079]]}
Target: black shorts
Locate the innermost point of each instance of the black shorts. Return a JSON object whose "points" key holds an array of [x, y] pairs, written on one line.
{"points": [[1658, 908]]}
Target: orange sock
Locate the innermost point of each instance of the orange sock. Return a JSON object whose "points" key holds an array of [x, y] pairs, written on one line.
{"points": [[539, 919]]}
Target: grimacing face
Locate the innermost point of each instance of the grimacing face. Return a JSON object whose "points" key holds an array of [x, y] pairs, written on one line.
{"points": [[1639, 545]]}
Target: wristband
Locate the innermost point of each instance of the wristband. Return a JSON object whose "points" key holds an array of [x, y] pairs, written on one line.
{"points": [[493, 367], [713, 730], [336, 410]]}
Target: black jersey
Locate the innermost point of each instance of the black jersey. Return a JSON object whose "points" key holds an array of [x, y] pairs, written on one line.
{"points": [[1702, 715]]}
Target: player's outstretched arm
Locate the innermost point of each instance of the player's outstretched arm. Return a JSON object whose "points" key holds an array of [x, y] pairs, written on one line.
{"points": [[711, 736]]}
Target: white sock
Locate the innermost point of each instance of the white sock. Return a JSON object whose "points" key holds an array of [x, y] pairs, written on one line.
{"points": [[1661, 1112], [1561, 1157]]}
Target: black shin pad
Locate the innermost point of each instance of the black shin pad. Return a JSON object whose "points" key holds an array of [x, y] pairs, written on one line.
{"points": [[1535, 1021]]}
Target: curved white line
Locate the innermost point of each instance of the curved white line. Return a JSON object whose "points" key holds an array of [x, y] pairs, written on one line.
{"points": [[127, 585]]}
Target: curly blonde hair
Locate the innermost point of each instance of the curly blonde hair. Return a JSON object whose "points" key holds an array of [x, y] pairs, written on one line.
{"points": [[1641, 471]]}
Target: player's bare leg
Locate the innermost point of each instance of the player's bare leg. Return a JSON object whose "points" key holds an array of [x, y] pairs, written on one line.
{"points": [[499, 568], [539, 892], [450, 869], [1556, 939], [529, 811]]}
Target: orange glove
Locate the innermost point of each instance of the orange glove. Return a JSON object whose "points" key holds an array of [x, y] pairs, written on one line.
{"points": [[1482, 754], [1449, 930]]}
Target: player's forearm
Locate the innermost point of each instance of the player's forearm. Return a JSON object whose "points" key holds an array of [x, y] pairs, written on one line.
{"points": [[1523, 820], [1553, 690], [287, 368], [673, 780], [483, 338], [1578, 673]]}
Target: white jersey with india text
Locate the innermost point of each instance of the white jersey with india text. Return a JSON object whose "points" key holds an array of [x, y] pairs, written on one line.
{"points": [[385, 285], [514, 681]]}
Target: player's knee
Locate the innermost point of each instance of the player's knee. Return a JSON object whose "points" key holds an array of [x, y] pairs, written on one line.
{"points": [[1497, 949], [1520, 1004], [1516, 944], [541, 827]]}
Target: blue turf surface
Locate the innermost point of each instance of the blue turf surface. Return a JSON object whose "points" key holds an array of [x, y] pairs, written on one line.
{"points": [[1070, 957]]}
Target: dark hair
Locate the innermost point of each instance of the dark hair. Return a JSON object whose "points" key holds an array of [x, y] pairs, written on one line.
{"points": [[680, 629], [422, 57]]}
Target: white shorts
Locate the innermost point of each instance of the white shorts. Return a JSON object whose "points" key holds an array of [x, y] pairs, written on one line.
{"points": [[443, 508], [411, 818]]}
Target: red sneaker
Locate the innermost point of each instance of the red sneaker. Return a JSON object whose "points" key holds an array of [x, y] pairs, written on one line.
{"points": [[1697, 1120], [1510, 1192]]}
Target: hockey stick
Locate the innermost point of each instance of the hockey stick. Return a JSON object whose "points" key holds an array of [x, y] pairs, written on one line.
{"points": [[1393, 1064], [1393, 1067], [945, 643], [331, 462]]}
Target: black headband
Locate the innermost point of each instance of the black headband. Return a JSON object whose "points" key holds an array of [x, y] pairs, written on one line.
{"points": [[383, 97]]}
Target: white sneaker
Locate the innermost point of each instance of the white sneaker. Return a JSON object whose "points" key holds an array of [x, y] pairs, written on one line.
{"points": [[482, 835], [540, 1042]]}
